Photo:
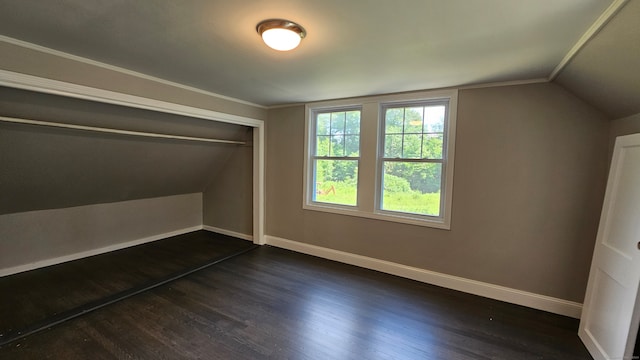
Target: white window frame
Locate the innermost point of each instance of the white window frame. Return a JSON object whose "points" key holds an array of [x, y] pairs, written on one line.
{"points": [[311, 156], [369, 169], [381, 159]]}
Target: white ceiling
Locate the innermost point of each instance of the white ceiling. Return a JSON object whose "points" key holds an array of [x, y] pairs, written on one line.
{"points": [[353, 48]]}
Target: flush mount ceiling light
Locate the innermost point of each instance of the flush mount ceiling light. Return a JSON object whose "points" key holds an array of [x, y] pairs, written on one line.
{"points": [[281, 35]]}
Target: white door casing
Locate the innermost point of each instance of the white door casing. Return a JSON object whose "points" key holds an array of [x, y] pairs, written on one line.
{"points": [[610, 316]]}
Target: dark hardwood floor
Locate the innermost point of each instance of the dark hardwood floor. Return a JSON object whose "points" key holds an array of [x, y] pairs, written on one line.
{"points": [[271, 303], [34, 296]]}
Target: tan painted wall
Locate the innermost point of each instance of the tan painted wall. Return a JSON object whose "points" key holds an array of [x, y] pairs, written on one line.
{"points": [[228, 200], [46, 234], [624, 126], [530, 173]]}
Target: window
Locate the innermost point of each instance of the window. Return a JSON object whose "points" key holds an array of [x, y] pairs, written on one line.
{"points": [[388, 158], [411, 158], [335, 157]]}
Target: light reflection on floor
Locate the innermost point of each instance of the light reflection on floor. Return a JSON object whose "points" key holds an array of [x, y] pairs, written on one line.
{"points": [[334, 326]]}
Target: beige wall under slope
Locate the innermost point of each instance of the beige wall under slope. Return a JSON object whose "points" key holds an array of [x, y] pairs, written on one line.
{"points": [[530, 173], [624, 126], [40, 238], [228, 200]]}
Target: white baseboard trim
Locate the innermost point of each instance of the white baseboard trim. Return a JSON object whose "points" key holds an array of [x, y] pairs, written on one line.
{"points": [[92, 252], [497, 292], [228, 232]]}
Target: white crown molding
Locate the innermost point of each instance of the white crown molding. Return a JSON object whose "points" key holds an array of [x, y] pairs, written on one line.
{"points": [[231, 233], [497, 292], [604, 18], [418, 93], [121, 70], [49, 86], [504, 83], [92, 252]]}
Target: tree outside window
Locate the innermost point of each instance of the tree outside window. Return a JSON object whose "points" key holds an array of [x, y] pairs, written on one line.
{"points": [[412, 159], [337, 153]]}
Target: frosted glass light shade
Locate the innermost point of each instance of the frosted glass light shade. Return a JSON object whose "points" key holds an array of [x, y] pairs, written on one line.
{"points": [[281, 39], [281, 35]]}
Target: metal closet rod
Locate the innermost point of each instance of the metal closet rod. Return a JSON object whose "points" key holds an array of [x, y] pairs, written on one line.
{"points": [[116, 131]]}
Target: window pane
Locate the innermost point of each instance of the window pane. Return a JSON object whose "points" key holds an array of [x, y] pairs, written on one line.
{"points": [[432, 146], [337, 123], [336, 181], [423, 129], [322, 124], [352, 145], [338, 134], [434, 119], [393, 146], [393, 122], [412, 187], [352, 122], [411, 146], [413, 120], [322, 145], [337, 145]]}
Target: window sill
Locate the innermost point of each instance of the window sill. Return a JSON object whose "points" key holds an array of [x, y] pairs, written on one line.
{"points": [[438, 223]]}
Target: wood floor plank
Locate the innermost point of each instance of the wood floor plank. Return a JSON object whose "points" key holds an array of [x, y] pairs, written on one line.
{"points": [[276, 304], [39, 294]]}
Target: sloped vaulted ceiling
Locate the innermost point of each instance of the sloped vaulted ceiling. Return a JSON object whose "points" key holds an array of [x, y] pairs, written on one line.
{"points": [[606, 71], [46, 168], [353, 48]]}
